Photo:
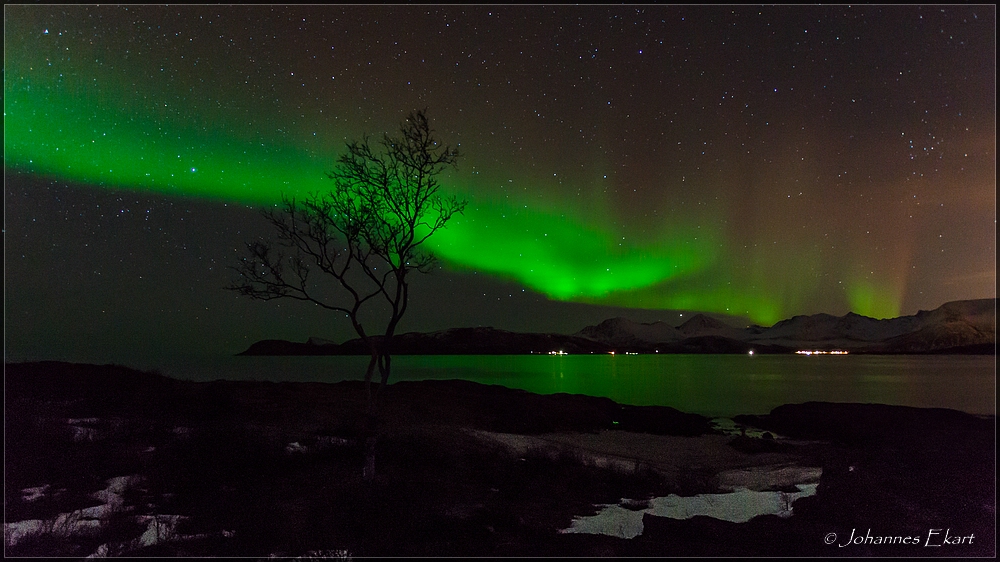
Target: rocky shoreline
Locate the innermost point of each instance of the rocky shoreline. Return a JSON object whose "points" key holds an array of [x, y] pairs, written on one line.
{"points": [[107, 460]]}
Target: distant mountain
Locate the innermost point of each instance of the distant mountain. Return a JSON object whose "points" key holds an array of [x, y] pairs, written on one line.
{"points": [[967, 325], [955, 327], [483, 341], [955, 324], [701, 325], [455, 341], [622, 331], [848, 330]]}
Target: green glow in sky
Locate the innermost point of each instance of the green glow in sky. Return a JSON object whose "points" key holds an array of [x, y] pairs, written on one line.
{"points": [[868, 299], [76, 137], [561, 257], [68, 127]]}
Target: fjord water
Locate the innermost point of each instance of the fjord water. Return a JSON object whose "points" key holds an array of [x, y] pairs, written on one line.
{"points": [[712, 385]]}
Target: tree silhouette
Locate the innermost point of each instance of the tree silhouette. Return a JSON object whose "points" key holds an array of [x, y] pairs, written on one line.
{"points": [[366, 235]]}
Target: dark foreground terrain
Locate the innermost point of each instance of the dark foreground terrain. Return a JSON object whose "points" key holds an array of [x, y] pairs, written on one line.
{"points": [[107, 460]]}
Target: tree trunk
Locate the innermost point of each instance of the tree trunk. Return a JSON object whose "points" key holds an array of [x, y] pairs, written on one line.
{"points": [[371, 421], [371, 426], [368, 472], [383, 360]]}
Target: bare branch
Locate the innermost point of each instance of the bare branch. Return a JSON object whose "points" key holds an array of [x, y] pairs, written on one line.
{"points": [[365, 234]]}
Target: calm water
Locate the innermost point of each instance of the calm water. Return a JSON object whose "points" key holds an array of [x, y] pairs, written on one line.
{"points": [[714, 385]]}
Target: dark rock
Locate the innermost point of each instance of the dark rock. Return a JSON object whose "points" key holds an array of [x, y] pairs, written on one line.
{"points": [[891, 469], [865, 423], [753, 446]]}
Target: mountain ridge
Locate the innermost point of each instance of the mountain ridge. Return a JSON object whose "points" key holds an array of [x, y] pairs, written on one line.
{"points": [[967, 326]]}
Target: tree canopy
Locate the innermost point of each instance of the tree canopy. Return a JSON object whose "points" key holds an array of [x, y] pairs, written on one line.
{"points": [[366, 235]]}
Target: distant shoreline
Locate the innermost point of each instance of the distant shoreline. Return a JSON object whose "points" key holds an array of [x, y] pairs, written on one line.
{"points": [[958, 327], [290, 348]]}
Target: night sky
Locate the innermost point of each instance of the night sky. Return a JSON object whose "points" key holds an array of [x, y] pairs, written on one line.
{"points": [[755, 162]]}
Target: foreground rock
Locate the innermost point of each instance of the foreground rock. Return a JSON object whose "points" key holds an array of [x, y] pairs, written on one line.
{"points": [[259, 469], [904, 471]]}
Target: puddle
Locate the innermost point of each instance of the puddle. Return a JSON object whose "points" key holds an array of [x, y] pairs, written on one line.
{"points": [[624, 520]]}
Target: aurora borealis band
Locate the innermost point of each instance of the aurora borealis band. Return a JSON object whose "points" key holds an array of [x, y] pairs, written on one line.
{"points": [[755, 162]]}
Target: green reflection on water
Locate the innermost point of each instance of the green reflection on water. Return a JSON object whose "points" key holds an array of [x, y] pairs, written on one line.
{"points": [[722, 385], [713, 385]]}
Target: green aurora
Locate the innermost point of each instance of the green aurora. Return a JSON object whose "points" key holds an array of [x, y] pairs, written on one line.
{"points": [[78, 134], [81, 122], [48, 132]]}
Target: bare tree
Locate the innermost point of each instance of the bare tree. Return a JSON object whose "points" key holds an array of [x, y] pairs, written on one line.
{"points": [[366, 235]]}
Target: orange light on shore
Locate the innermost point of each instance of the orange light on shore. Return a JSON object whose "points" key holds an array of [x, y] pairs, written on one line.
{"points": [[817, 352]]}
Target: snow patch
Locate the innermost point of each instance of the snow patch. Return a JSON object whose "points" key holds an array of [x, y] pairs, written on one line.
{"points": [[86, 521], [729, 427], [318, 555], [83, 433], [624, 520], [34, 494]]}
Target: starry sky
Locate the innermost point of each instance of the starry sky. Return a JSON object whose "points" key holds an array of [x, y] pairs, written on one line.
{"points": [[755, 162]]}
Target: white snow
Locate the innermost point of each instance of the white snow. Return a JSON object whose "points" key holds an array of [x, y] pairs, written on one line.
{"points": [[34, 494], [160, 528], [612, 520], [730, 427], [84, 521], [83, 433], [13, 533], [738, 506]]}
